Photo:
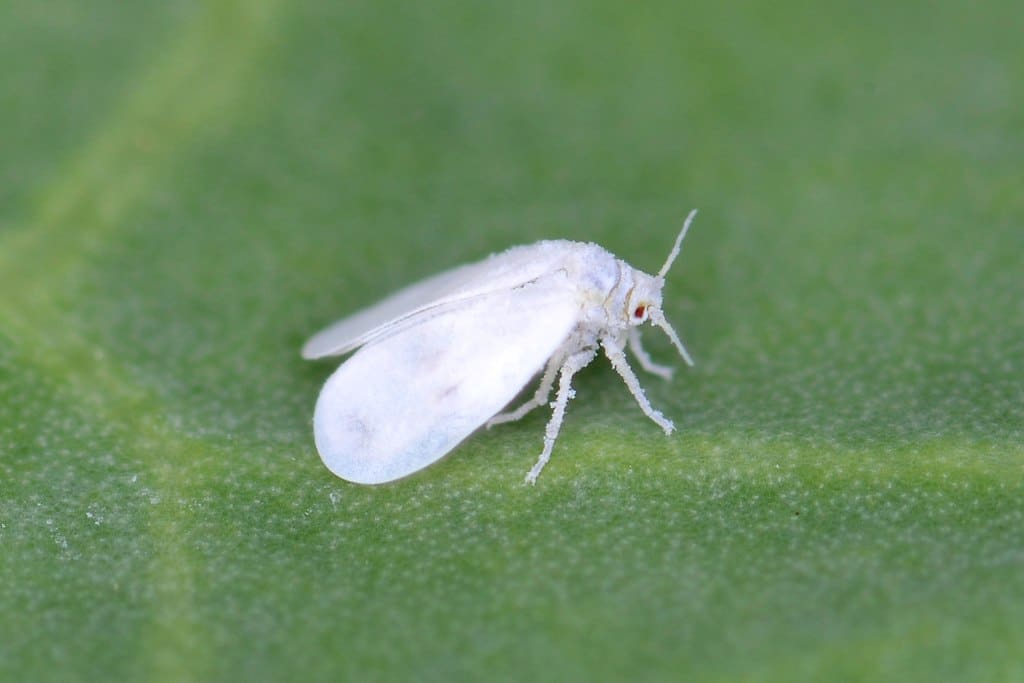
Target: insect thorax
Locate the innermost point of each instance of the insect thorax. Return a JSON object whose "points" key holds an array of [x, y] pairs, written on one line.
{"points": [[609, 288]]}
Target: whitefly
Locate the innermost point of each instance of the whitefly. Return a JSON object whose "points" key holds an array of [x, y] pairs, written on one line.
{"points": [[442, 357]]}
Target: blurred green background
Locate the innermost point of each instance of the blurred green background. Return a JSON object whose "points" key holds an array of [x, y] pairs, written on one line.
{"points": [[188, 190]]}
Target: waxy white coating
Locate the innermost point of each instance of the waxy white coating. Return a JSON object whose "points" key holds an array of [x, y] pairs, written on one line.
{"points": [[440, 358]]}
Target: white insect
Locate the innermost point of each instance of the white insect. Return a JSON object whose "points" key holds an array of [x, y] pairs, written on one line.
{"points": [[441, 357]]}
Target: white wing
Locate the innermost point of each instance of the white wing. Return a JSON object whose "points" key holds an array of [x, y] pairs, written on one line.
{"points": [[502, 271], [404, 401]]}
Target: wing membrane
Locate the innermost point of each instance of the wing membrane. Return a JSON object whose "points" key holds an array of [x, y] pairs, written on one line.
{"points": [[404, 401], [507, 270]]}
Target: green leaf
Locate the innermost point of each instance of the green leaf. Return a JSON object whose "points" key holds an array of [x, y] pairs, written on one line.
{"points": [[191, 189]]}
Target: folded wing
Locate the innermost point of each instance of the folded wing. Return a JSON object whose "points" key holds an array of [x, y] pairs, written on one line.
{"points": [[405, 400], [497, 273]]}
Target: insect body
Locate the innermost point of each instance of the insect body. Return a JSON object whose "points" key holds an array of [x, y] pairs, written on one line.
{"points": [[442, 357]]}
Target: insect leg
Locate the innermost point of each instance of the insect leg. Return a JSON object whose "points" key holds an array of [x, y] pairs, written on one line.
{"points": [[573, 364], [641, 354], [539, 398], [621, 365]]}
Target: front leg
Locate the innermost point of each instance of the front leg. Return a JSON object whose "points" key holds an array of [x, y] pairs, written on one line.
{"points": [[663, 371], [618, 360]]}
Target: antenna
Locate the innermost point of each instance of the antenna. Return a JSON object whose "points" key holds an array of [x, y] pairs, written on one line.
{"points": [[658, 318], [679, 243]]}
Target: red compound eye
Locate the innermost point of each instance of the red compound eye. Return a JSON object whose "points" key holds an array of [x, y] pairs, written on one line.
{"points": [[639, 312]]}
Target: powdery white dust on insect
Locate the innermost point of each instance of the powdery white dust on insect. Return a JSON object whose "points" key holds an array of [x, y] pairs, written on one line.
{"points": [[440, 358]]}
